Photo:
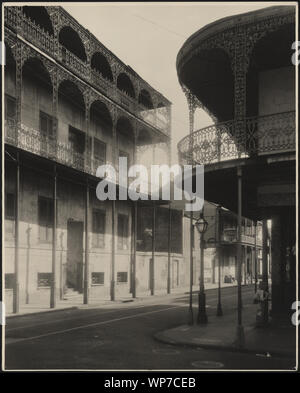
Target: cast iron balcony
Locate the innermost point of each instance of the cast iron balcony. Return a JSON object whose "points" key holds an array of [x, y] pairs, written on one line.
{"points": [[32, 141], [255, 136]]}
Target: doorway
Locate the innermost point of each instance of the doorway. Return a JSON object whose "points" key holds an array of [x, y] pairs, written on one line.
{"points": [[74, 271]]}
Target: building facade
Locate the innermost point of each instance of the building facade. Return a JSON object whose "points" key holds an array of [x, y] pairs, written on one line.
{"points": [[240, 70], [220, 241], [70, 106]]}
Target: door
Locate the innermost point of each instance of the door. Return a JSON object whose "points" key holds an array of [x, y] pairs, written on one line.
{"points": [[74, 274]]}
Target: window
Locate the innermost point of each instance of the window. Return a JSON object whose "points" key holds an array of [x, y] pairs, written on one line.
{"points": [[9, 216], [122, 232], [98, 228], [10, 107], [9, 280], [76, 140], [45, 213], [122, 277], [46, 125], [97, 278], [44, 280], [99, 151]]}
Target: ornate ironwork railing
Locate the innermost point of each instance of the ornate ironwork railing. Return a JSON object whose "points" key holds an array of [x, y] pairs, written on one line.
{"points": [[11, 16], [73, 62], [33, 141], [258, 136], [35, 34], [230, 236]]}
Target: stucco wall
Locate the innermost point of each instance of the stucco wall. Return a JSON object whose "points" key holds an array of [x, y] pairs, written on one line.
{"points": [[277, 90]]}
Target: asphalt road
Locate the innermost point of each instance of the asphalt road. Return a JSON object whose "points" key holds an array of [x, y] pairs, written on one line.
{"points": [[121, 338]]}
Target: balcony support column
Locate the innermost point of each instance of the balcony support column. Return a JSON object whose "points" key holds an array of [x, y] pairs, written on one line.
{"points": [[255, 256], [53, 281], [113, 215], [54, 100], [152, 272], [16, 291], [88, 142], [169, 250], [240, 336], [240, 60], [19, 65], [134, 224], [191, 107], [265, 286], [87, 251]]}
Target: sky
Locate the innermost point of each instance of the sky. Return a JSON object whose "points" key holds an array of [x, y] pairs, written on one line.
{"points": [[147, 37]]}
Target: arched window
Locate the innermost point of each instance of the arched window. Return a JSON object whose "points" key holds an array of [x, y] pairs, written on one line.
{"points": [[145, 99], [124, 84], [40, 17], [70, 39], [99, 63]]}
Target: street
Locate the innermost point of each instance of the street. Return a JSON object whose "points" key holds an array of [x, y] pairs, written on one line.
{"points": [[121, 337]]}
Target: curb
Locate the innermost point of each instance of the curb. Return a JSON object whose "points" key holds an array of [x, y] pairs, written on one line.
{"points": [[40, 312], [160, 337]]}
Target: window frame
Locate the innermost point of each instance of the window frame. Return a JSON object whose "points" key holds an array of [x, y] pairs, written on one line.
{"points": [[101, 284], [102, 160], [122, 282]]}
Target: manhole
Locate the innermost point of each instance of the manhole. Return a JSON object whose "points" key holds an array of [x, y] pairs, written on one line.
{"points": [[165, 351], [207, 364]]}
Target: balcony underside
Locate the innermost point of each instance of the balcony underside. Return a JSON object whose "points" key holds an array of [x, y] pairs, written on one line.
{"points": [[268, 185]]}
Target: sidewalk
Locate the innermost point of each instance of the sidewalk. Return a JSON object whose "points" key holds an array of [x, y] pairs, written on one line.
{"points": [[220, 334], [77, 302]]}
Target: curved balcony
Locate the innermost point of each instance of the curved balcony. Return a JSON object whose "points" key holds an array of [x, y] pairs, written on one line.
{"points": [[256, 136]]}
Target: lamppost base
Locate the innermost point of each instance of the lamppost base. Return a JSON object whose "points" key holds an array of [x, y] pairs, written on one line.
{"points": [[202, 317], [240, 337], [219, 311]]}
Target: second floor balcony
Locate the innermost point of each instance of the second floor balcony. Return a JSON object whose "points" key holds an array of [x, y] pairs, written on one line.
{"points": [[71, 45], [229, 236], [34, 142], [255, 136]]}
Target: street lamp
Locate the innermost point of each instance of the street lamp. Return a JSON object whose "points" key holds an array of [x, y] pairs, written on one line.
{"points": [[201, 226]]}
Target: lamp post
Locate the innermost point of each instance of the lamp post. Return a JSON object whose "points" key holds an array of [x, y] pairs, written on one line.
{"points": [[201, 226]]}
